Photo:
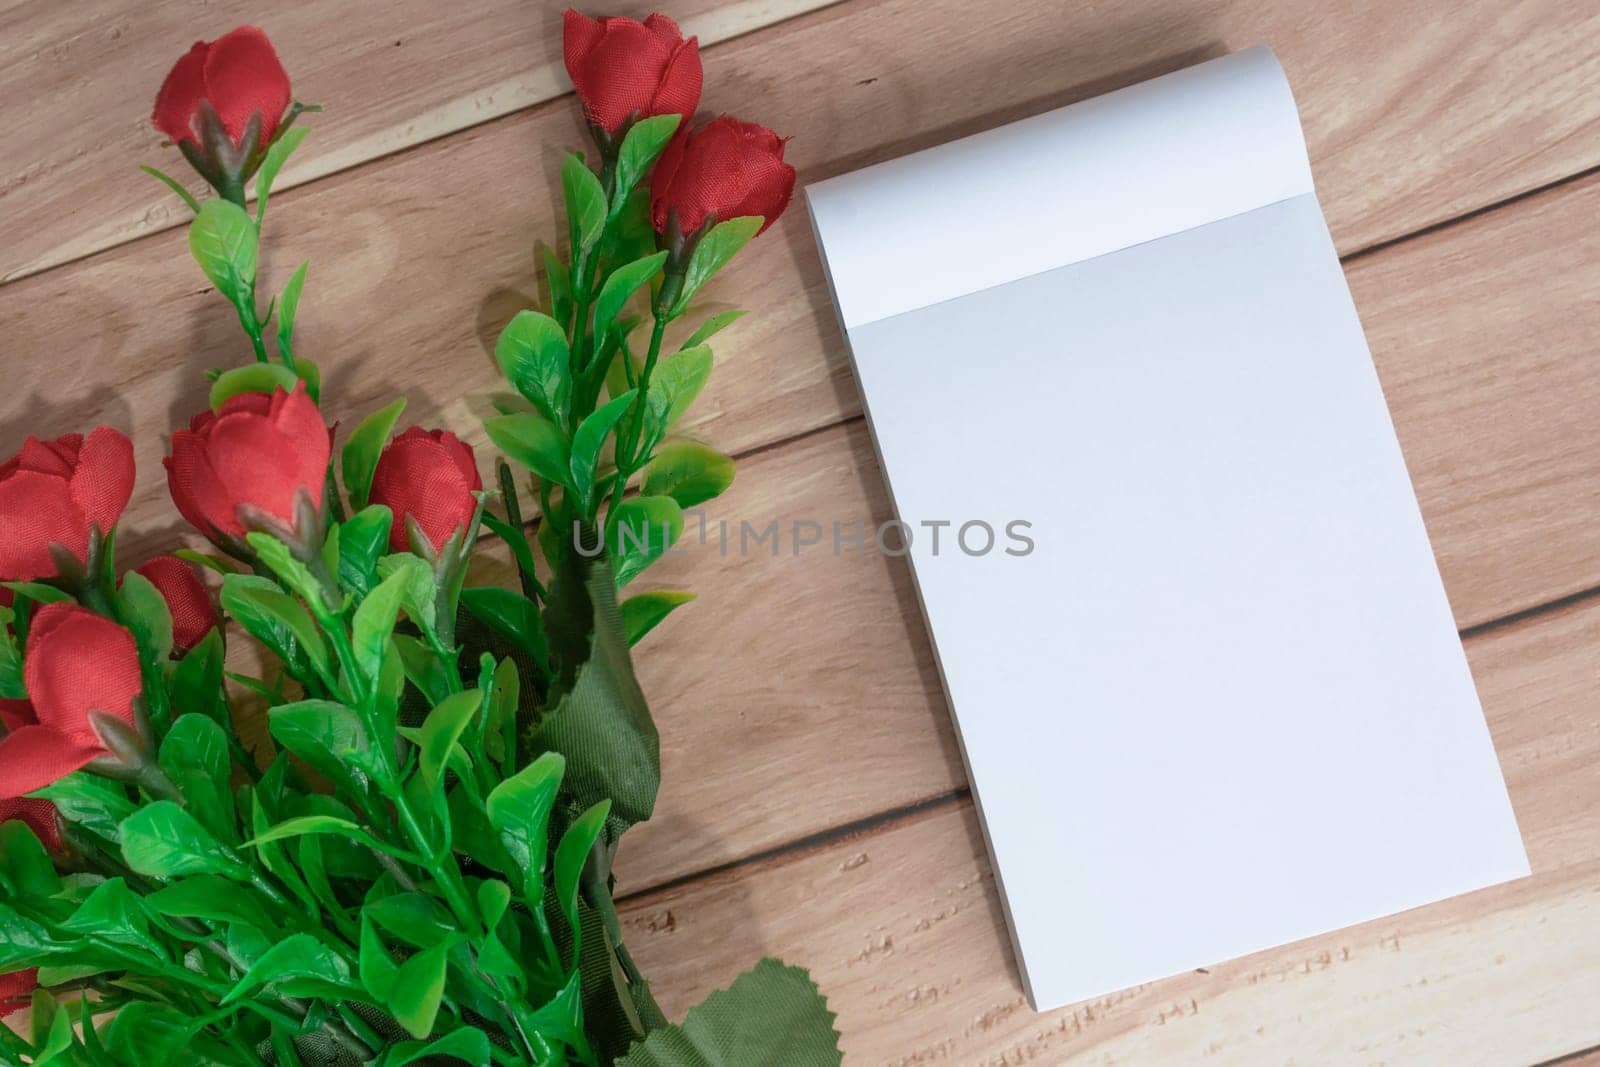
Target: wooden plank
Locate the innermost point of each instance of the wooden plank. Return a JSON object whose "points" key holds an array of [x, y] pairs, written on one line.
{"points": [[77, 81], [902, 928], [411, 278]]}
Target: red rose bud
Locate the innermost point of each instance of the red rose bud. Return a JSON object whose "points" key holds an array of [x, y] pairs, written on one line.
{"points": [[82, 675], [55, 493], [193, 613], [16, 990], [40, 817], [223, 102], [723, 170], [625, 70], [427, 476], [259, 463]]}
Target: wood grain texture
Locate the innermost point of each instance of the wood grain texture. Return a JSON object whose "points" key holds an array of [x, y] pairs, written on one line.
{"points": [[409, 285], [77, 81], [901, 926]]}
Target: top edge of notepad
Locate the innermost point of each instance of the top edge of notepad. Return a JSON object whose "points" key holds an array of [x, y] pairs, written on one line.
{"points": [[1183, 150]]}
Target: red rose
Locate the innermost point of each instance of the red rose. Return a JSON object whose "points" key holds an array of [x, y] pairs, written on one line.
{"points": [[261, 458], [54, 492], [625, 70], [238, 74], [16, 990], [429, 476], [193, 613], [41, 818], [77, 662], [723, 170]]}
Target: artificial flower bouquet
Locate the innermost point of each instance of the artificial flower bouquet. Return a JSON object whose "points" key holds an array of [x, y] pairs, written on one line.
{"points": [[418, 868]]}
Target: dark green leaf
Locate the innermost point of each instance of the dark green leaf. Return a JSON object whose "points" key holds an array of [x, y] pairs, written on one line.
{"points": [[422, 668], [535, 442], [712, 254], [112, 913], [441, 730], [361, 450], [212, 898], [644, 141], [510, 613], [561, 1017], [571, 855], [162, 840], [25, 867], [363, 539], [251, 378], [643, 528], [688, 472], [374, 621], [413, 918], [197, 680], [418, 987], [622, 284], [532, 353], [519, 809], [559, 281], [274, 618], [642, 613], [377, 969], [195, 756], [466, 1043], [586, 446], [146, 1034], [223, 240], [328, 736], [586, 201], [298, 956], [95, 804], [23, 942]]}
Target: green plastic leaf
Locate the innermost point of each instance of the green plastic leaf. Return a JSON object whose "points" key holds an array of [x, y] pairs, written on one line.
{"points": [[622, 284], [535, 442], [770, 1014], [251, 378], [175, 185], [586, 201], [23, 942], [417, 990], [148, 1034], [209, 560], [561, 1016], [571, 855], [713, 325], [25, 867], [642, 613], [688, 472], [96, 804], [377, 969], [223, 240], [643, 528], [288, 310], [644, 141], [276, 156], [196, 683], [112, 913], [519, 810], [374, 621], [11, 683], [359, 458], [363, 539], [466, 1043], [274, 618], [718, 246], [298, 956], [417, 590], [162, 840], [194, 754], [441, 730], [289, 568], [212, 898], [676, 383], [328, 736], [50, 1046], [532, 353], [559, 282], [587, 443], [414, 918]]}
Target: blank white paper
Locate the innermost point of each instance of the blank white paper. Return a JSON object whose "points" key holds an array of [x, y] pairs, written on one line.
{"points": [[1222, 705]]}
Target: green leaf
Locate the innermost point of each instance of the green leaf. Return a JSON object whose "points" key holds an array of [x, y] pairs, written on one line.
{"points": [[277, 155], [571, 854], [147, 1034], [519, 810], [643, 528], [209, 560], [175, 185], [374, 621], [622, 284], [251, 378], [559, 282], [363, 539], [274, 618], [11, 684], [25, 866], [212, 898], [223, 240], [770, 1014], [96, 804], [112, 913], [196, 683], [194, 754], [586, 446], [688, 472], [162, 840], [676, 383], [533, 355], [712, 253], [413, 918], [56, 1040], [282, 562], [644, 141], [466, 1043], [535, 442], [417, 591], [23, 942], [586, 202], [328, 736], [298, 956], [377, 969], [511, 614], [713, 325], [417, 990], [561, 1016], [288, 309], [642, 613], [441, 730], [360, 456], [38, 593]]}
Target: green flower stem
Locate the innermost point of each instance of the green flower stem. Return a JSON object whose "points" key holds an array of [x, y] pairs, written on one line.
{"points": [[629, 437]]}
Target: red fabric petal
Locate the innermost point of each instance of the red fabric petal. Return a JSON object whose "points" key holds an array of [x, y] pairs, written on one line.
{"points": [[579, 35], [103, 481], [727, 168], [16, 714], [180, 95], [36, 510], [665, 175], [40, 817], [193, 613], [617, 64], [77, 661], [243, 76], [35, 756], [663, 27], [56, 457], [429, 477], [298, 419], [679, 91], [195, 488], [16, 990], [255, 464]]}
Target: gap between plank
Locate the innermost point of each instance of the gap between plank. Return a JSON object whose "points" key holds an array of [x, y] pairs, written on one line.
{"points": [[1573, 1059]]}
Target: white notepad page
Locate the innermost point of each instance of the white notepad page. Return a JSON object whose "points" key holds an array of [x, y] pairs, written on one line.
{"points": [[1222, 704]]}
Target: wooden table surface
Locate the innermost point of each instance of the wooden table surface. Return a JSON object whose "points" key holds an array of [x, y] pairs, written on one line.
{"points": [[815, 805]]}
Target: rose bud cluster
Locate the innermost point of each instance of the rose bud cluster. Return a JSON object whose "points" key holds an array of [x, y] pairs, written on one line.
{"points": [[723, 170], [260, 463], [625, 70], [222, 104], [427, 479], [194, 613], [81, 672], [58, 500]]}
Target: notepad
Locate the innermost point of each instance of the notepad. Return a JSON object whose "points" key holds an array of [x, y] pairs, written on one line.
{"points": [[1206, 681]]}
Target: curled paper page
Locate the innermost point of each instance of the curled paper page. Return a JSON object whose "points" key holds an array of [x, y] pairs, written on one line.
{"points": [[1203, 671]]}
